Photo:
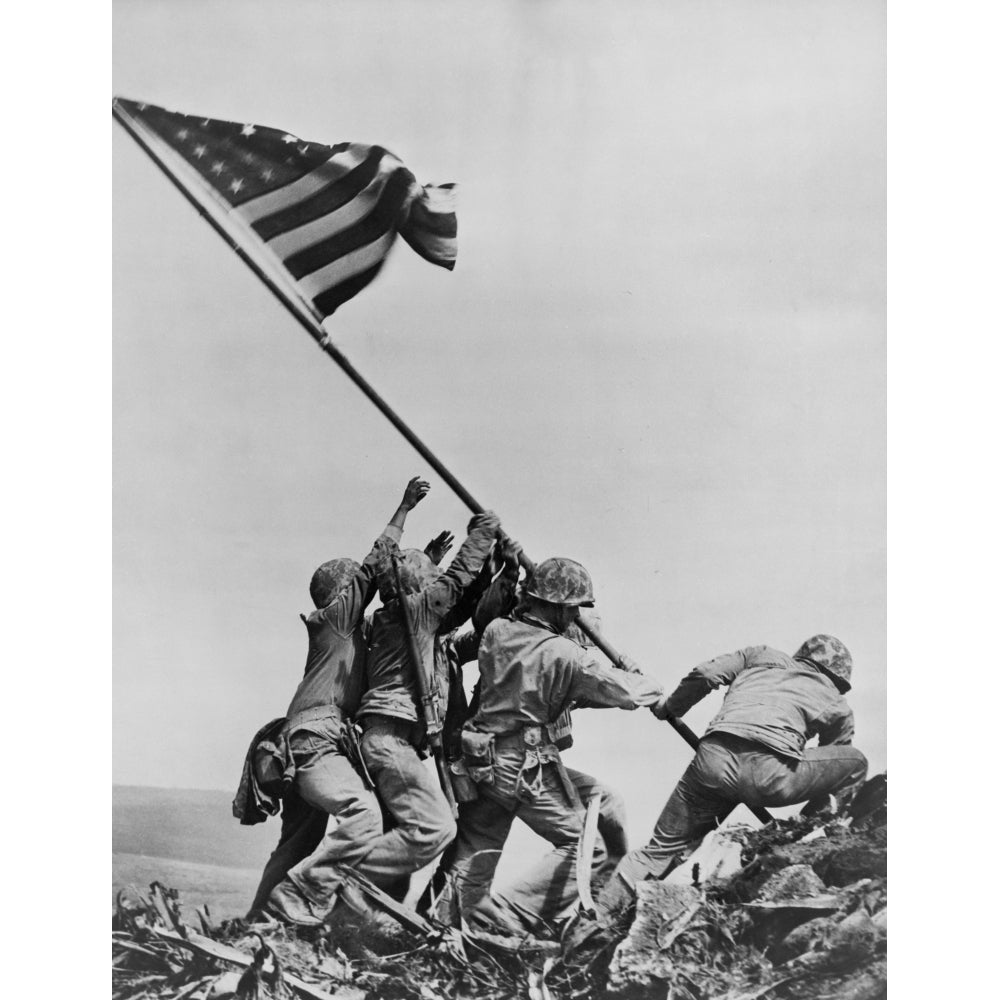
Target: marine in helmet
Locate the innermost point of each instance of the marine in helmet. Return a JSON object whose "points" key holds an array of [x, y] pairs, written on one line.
{"points": [[611, 820], [391, 715], [326, 783], [754, 750], [530, 675]]}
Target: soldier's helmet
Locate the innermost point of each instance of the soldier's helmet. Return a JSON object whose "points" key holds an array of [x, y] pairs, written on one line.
{"points": [[574, 632], [831, 656], [330, 579], [416, 571], [561, 581]]}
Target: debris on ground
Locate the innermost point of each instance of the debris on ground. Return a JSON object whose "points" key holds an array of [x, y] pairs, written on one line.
{"points": [[801, 917]]}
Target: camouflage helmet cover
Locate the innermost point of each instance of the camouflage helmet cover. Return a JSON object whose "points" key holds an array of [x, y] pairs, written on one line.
{"points": [[330, 579], [831, 656], [561, 581], [416, 571]]}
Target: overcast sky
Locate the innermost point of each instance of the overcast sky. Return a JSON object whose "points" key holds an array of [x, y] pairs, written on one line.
{"points": [[662, 352]]}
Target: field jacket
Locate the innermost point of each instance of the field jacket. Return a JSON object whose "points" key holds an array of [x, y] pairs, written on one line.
{"points": [[773, 700]]}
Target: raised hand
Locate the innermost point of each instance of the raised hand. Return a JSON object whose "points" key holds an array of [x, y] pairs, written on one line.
{"points": [[416, 490], [509, 553], [487, 520], [438, 547], [660, 708]]}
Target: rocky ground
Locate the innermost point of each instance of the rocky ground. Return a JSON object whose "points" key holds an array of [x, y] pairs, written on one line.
{"points": [[798, 912]]}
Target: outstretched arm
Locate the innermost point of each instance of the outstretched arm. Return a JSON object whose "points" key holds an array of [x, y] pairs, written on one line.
{"points": [[442, 595], [704, 678], [348, 609], [416, 490], [594, 685]]}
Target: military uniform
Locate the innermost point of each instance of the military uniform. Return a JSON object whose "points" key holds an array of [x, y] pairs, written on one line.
{"points": [[754, 751], [390, 715], [299, 880], [529, 675]]}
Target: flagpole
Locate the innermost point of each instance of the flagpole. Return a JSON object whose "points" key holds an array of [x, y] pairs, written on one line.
{"points": [[313, 326]]}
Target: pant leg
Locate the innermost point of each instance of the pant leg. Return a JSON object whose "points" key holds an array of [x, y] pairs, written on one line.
{"points": [[769, 779], [302, 829], [549, 887], [327, 781], [411, 793], [611, 822], [483, 827], [705, 795]]}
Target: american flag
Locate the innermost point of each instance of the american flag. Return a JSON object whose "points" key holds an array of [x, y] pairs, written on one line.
{"points": [[328, 215]]}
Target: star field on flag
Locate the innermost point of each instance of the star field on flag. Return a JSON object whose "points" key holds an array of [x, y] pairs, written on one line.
{"points": [[328, 215]]}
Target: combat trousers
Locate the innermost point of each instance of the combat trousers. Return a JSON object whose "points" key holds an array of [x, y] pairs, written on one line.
{"points": [[611, 820], [483, 827], [410, 792], [726, 771], [328, 783], [302, 829]]}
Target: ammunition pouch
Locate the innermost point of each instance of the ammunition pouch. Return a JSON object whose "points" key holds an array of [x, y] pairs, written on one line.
{"points": [[561, 731], [538, 748], [478, 755]]}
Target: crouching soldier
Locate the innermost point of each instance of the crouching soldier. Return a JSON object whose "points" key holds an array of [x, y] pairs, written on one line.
{"points": [[530, 674], [319, 731], [753, 751], [392, 712]]}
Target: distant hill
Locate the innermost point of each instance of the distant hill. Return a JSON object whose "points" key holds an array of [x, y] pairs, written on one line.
{"points": [[226, 891], [189, 841], [187, 825]]}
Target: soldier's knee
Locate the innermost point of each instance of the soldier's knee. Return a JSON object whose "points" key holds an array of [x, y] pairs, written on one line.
{"points": [[612, 805], [860, 769], [431, 839], [447, 831], [367, 825]]}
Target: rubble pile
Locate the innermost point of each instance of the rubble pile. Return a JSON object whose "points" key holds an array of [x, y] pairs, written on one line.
{"points": [[802, 917]]}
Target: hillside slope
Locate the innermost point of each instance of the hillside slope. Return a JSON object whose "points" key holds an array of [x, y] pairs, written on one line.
{"points": [[796, 911]]}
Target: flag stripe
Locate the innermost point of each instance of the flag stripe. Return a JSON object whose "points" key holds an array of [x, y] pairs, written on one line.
{"points": [[334, 169], [321, 217], [380, 220], [328, 301], [346, 266], [437, 251], [328, 199], [439, 224], [338, 219]]}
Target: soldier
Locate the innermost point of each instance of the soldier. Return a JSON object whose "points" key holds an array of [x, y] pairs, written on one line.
{"points": [[753, 751], [611, 821], [530, 674], [318, 729], [391, 713]]}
